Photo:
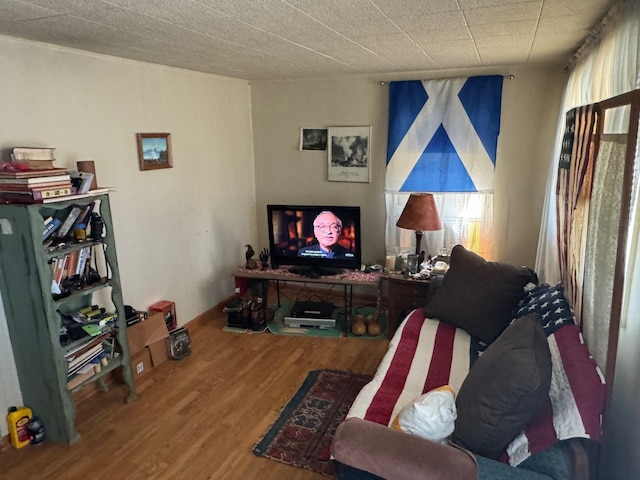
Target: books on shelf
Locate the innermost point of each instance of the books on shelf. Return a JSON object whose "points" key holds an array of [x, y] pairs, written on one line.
{"points": [[59, 176]]}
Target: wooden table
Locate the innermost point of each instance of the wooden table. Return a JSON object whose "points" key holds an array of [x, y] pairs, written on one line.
{"points": [[348, 279], [403, 295]]}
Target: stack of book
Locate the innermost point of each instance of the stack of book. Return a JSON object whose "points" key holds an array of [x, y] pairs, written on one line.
{"points": [[85, 361], [34, 186]]}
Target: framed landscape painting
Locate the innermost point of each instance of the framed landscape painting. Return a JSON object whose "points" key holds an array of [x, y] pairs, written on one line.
{"points": [[154, 151], [349, 153]]}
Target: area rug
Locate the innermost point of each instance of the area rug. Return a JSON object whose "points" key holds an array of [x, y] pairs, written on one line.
{"points": [[302, 434]]}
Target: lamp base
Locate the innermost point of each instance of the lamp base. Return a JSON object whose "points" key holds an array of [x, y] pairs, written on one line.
{"points": [[418, 241]]}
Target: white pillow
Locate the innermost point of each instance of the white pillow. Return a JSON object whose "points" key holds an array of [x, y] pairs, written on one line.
{"points": [[431, 416]]}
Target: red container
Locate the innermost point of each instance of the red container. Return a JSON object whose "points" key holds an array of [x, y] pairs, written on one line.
{"points": [[168, 310]]}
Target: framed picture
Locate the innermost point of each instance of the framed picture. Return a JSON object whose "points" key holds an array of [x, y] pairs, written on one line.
{"points": [[349, 153], [154, 151], [313, 139]]}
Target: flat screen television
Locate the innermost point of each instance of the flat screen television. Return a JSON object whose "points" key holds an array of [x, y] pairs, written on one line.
{"points": [[315, 239]]}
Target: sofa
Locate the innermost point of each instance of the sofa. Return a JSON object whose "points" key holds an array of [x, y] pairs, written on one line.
{"points": [[528, 397]]}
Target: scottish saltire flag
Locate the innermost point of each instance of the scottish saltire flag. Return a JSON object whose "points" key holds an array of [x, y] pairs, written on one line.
{"points": [[443, 134]]}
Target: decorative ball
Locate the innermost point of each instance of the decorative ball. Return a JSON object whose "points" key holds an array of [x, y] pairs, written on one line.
{"points": [[374, 329], [370, 318], [359, 328]]}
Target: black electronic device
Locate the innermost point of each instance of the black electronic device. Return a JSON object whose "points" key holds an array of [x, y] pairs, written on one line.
{"points": [[316, 239], [313, 309], [179, 343]]}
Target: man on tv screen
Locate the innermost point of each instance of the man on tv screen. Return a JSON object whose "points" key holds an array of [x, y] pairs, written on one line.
{"points": [[327, 229]]}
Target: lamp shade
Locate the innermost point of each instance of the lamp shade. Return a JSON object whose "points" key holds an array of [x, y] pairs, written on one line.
{"points": [[420, 213]]}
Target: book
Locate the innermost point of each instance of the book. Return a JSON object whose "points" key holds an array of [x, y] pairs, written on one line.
{"points": [[33, 174], [37, 164], [21, 154], [83, 218], [84, 355], [26, 187], [69, 221], [34, 196], [58, 271], [50, 228], [74, 258], [80, 378], [83, 260], [30, 179]]}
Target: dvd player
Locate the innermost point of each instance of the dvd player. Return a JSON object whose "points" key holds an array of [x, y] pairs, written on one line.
{"points": [[301, 322], [311, 314]]}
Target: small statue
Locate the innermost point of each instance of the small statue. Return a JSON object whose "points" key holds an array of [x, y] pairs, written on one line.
{"points": [[264, 258], [251, 263]]}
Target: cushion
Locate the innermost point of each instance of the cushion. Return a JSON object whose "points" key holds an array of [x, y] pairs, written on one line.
{"points": [[432, 415], [504, 390], [550, 304], [390, 454], [478, 296]]}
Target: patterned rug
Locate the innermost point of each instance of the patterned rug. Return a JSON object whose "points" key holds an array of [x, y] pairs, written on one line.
{"points": [[302, 434]]}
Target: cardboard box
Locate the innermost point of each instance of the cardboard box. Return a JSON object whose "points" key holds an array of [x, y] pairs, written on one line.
{"points": [[150, 336], [141, 363]]}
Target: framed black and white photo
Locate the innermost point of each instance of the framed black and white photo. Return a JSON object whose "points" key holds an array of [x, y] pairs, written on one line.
{"points": [[313, 139], [154, 151], [349, 153]]}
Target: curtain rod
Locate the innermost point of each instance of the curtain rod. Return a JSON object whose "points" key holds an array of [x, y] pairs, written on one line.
{"points": [[596, 32], [508, 77]]}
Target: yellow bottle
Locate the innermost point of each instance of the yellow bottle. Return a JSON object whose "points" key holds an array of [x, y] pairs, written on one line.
{"points": [[18, 418]]}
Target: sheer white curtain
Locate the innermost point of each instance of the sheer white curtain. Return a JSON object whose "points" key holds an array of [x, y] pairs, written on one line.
{"points": [[610, 68], [467, 219]]}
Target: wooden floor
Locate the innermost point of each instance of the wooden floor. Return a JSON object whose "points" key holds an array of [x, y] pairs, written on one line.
{"points": [[196, 418]]}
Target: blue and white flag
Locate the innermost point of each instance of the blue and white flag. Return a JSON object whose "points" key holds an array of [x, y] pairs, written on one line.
{"points": [[443, 134]]}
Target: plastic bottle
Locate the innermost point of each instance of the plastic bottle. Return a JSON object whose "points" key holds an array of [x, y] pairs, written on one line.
{"points": [[35, 427], [18, 418]]}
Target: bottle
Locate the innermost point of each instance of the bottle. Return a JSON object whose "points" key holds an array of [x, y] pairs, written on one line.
{"points": [[35, 427], [18, 418]]}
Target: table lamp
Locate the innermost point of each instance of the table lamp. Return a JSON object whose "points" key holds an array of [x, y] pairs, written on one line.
{"points": [[420, 214]]}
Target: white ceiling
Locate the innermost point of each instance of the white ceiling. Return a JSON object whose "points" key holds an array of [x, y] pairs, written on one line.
{"points": [[272, 39]]}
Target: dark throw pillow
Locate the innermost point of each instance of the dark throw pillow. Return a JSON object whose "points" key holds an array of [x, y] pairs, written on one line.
{"points": [[478, 296], [505, 389]]}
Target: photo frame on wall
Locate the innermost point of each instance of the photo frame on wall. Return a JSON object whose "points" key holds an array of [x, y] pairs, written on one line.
{"points": [[313, 139], [349, 154], [154, 151]]}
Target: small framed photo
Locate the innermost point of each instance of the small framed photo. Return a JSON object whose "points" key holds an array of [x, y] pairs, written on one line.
{"points": [[349, 153], [313, 139], [154, 151]]}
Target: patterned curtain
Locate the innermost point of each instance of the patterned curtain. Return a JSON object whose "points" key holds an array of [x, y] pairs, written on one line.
{"points": [[573, 192]]}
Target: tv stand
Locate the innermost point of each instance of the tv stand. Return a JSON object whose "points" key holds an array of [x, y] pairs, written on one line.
{"points": [[315, 272], [347, 279]]}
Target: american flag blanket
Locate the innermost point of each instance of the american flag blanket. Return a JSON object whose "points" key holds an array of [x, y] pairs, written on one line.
{"points": [[425, 354]]}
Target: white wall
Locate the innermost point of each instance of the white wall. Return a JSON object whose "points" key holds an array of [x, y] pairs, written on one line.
{"points": [[180, 232], [286, 175]]}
